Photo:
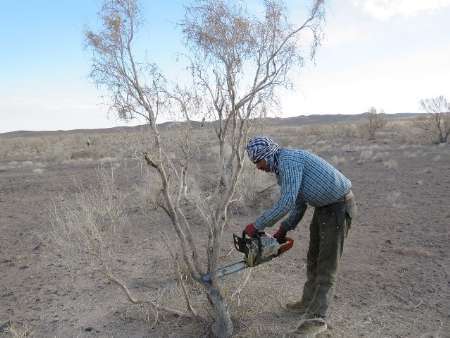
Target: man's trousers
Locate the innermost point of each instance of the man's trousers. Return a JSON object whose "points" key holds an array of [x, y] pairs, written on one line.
{"points": [[328, 230]]}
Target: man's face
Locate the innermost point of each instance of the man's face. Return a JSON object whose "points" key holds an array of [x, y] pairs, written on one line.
{"points": [[262, 165]]}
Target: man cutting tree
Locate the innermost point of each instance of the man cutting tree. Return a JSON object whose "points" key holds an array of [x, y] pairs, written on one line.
{"points": [[306, 179]]}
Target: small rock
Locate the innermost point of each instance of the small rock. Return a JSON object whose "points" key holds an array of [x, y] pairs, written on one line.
{"points": [[37, 247], [5, 326]]}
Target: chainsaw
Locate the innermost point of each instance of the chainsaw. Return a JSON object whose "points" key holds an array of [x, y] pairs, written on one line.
{"points": [[257, 250]]}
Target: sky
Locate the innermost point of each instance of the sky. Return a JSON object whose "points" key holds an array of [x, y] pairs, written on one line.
{"points": [[383, 53]]}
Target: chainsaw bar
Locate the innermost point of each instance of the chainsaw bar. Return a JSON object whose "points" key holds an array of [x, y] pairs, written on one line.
{"points": [[226, 270]]}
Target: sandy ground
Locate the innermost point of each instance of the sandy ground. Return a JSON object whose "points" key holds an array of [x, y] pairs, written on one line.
{"points": [[394, 278]]}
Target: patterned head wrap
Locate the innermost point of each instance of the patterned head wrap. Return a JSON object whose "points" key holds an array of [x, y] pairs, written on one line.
{"points": [[261, 147]]}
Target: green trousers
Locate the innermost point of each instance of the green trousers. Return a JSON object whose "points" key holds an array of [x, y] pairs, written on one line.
{"points": [[328, 230]]}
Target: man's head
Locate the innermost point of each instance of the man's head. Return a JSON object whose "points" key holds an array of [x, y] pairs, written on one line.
{"points": [[261, 151]]}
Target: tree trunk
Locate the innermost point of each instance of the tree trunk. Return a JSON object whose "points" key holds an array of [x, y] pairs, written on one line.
{"points": [[222, 326]]}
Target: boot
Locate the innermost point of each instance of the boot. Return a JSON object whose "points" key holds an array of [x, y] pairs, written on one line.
{"points": [[311, 328], [299, 307]]}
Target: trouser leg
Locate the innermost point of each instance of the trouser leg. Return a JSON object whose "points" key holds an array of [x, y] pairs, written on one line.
{"points": [[332, 226], [311, 265], [311, 269]]}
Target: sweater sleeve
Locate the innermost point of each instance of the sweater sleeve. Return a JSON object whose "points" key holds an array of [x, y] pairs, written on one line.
{"points": [[290, 179], [296, 215]]}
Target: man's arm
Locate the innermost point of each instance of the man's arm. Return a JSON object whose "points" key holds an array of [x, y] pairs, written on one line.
{"points": [[290, 181], [296, 215]]}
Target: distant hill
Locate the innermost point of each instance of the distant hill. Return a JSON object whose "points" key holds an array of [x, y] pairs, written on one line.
{"points": [[277, 121], [330, 118]]}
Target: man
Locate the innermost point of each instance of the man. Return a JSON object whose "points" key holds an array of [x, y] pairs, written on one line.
{"points": [[306, 179]]}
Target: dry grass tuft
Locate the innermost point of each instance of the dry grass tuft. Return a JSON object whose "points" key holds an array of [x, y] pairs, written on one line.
{"points": [[19, 331], [84, 226]]}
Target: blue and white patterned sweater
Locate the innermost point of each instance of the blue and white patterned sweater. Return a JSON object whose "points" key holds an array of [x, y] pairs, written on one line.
{"points": [[304, 179]]}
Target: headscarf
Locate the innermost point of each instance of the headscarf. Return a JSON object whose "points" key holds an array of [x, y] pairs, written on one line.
{"points": [[262, 147]]}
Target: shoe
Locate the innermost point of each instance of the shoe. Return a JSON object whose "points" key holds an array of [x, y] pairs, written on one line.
{"points": [[310, 328], [299, 307]]}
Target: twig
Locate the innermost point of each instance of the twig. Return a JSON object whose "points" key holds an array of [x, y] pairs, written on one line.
{"points": [[179, 276], [267, 188], [136, 301], [241, 287]]}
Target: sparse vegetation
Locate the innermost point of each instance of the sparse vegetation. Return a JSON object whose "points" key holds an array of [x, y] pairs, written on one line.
{"points": [[117, 194], [375, 121], [437, 120]]}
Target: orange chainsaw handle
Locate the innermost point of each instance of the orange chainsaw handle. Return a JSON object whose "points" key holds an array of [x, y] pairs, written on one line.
{"points": [[286, 246]]}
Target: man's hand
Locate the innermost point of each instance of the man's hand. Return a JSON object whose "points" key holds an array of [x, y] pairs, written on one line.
{"points": [[250, 230], [280, 235]]}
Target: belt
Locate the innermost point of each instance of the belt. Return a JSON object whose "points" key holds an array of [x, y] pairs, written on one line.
{"points": [[347, 197]]}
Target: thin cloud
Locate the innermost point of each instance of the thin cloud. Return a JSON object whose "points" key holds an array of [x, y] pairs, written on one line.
{"points": [[338, 36], [385, 9]]}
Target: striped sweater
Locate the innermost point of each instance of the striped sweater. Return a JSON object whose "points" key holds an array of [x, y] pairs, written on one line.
{"points": [[305, 179]]}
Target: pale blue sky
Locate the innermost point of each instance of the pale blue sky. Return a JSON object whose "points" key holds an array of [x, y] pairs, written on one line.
{"points": [[383, 53]]}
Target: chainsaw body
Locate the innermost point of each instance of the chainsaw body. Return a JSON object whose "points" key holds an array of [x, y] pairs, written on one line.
{"points": [[257, 250]]}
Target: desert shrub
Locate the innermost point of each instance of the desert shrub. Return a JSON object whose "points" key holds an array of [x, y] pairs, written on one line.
{"points": [[255, 190], [375, 121], [328, 132], [436, 122], [84, 226], [406, 131]]}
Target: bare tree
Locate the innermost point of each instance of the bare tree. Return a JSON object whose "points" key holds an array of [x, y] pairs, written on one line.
{"points": [[238, 61], [437, 120], [375, 121], [242, 59]]}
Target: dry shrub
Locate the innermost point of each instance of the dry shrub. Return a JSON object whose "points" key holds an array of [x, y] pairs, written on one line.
{"points": [[18, 331], [84, 226], [255, 190], [146, 191], [56, 146], [337, 130], [90, 232], [376, 120], [436, 122]]}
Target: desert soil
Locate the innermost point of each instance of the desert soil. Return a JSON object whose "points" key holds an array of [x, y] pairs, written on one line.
{"points": [[394, 278]]}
